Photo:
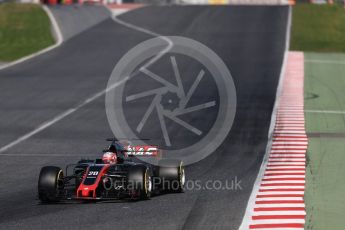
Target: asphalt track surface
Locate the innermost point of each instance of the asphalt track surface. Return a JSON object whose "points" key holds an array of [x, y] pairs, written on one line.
{"points": [[250, 40], [75, 19]]}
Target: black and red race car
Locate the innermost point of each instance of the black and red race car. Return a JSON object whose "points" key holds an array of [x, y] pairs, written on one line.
{"points": [[125, 177]]}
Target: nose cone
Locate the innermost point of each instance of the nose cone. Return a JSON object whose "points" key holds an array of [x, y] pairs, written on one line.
{"points": [[85, 193]]}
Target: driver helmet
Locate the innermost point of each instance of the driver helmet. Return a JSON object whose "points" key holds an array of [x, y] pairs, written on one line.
{"points": [[109, 158]]}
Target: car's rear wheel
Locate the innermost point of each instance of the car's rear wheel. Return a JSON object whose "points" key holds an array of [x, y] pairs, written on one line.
{"points": [[172, 175], [50, 184]]}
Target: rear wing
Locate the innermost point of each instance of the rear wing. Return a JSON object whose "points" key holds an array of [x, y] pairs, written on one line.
{"points": [[135, 150], [142, 150]]}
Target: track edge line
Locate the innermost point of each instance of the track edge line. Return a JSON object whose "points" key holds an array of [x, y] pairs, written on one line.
{"points": [[251, 202]]}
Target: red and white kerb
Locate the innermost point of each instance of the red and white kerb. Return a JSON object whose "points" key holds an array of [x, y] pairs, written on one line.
{"points": [[279, 204]]}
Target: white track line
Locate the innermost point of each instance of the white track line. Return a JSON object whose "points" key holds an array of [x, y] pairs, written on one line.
{"points": [[300, 151], [290, 142], [70, 111], [282, 177], [258, 213], [289, 147], [282, 187], [279, 198], [251, 202], [275, 168], [285, 187], [279, 221], [286, 171], [280, 205], [289, 165], [59, 41], [324, 61], [325, 111], [56, 119], [294, 156]]}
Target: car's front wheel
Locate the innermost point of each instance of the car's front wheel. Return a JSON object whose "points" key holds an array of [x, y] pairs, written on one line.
{"points": [[50, 184], [140, 182]]}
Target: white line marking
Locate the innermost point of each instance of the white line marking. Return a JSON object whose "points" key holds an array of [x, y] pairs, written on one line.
{"points": [[286, 185], [325, 111], [287, 142], [286, 171], [295, 164], [289, 127], [285, 166], [59, 41], [301, 151], [284, 177], [70, 111], [287, 147], [286, 163], [294, 136], [290, 123], [286, 160], [286, 155], [279, 198], [279, 119], [289, 132], [251, 202], [280, 205], [324, 61], [279, 221], [289, 139], [294, 113], [290, 142], [280, 192], [58, 118], [283, 187], [273, 213], [263, 183], [281, 228]]}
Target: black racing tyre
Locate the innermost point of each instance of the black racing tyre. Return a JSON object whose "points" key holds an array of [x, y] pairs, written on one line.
{"points": [[140, 182], [172, 175], [50, 184]]}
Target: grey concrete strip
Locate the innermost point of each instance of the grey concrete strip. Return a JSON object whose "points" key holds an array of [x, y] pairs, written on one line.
{"points": [[3, 63], [74, 19]]}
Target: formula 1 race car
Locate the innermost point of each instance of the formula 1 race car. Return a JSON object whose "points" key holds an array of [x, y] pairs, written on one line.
{"points": [[120, 174]]}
